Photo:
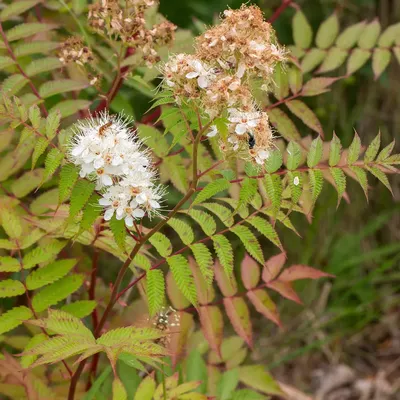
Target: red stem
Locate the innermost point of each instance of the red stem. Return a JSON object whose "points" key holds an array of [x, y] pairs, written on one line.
{"points": [[285, 4], [116, 85]]}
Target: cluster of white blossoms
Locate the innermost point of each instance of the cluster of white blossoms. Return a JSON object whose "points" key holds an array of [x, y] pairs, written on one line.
{"points": [[218, 77], [106, 150]]}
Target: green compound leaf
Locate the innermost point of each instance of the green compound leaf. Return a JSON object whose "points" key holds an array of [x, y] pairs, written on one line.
{"points": [[155, 290], [183, 277]]}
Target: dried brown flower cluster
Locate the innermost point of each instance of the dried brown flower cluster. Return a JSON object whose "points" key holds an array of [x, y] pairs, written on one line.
{"points": [[218, 76], [128, 24], [73, 50]]}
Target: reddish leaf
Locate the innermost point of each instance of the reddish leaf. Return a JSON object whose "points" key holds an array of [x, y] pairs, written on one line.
{"points": [[285, 289], [226, 283], [273, 266], [212, 324], [238, 313], [317, 86], [296, 272], [250, 272], [264, 305], [205, 292], [179, 336]]}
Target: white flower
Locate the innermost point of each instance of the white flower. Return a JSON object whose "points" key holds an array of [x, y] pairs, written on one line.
{"points": [[234, 141], [241, 70], [213, 131], [261, 156], [258, 47], [204, 77], [243, 121], [106, 150]]}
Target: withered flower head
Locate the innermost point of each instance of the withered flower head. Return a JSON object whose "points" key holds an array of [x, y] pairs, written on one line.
{"points": [[73, 50]]}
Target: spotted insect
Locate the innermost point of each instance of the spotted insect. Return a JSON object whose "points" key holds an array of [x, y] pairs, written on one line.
{"points": [[104, 127], [164, 320]]}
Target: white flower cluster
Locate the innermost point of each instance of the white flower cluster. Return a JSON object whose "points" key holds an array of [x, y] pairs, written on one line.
{"points": [[106, 150], [219, 76]]}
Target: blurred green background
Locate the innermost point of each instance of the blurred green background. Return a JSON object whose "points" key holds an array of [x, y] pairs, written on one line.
{"points": [[359, 242]]}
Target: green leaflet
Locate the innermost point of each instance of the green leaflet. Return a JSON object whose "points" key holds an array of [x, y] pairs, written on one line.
{"points": [[49, 274], [162, 244], [316, 183], [340, 181], [11, 222], [274, 161], [52, 162], [334, 151], [381, 176], [27, 182], [247, 191], [327, 32], [385, 153], [9, 264], [80, 308], [373, 149], [362, 179], [205, 220], [155, 290], [52, 88], [27, 360], [40, 147], [315, 153], [296, 185], [119, 392], [349, 37], [118, 230], [68, 176], [17, 8], [41, 255], [183, 277], [294, 155], [354, 150], [266, 229], [60, 290], [222, 212], [22, 31], [204, 260], [11, 288], [211, 190], [224, 251], [80, 196], [90, 213], [302, 31], [13, 318], [183, 229], [250, 242], [273, 187]]}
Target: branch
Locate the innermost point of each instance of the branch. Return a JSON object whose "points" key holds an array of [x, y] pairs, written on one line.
{"points": [[117, 83], [285, 4], [33, 87], [135, 250]]}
